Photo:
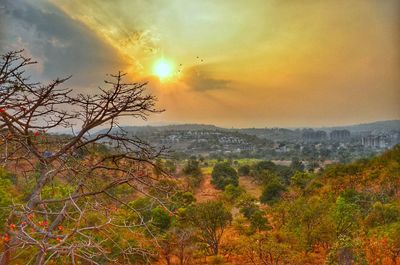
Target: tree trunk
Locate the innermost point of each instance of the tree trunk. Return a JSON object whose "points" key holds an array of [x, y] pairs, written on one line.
{"points": [[215, 248], [181, 257], [40, 258]]}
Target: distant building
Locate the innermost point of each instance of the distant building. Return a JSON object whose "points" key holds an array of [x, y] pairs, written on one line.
{"points": [[374, 141], [394, 138], [340, 135], [314, 136]]}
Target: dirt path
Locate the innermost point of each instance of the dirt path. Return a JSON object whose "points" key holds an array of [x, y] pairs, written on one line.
{"points": [[206, 191]]}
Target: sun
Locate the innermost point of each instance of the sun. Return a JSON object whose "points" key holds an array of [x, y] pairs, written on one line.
{"points": [[163, 68]]}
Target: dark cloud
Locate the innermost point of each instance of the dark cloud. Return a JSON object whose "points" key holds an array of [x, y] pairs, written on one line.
{"points": [[199, 78], [62, 45], [2, 24]]}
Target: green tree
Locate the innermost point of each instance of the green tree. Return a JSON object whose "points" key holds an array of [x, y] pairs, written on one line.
{"points": [[264, 165], [182, 199], [301, 179], [382, 214], [247, 205], [161, 218], [223, 174], [346, 216], [192, 167], [272, 192], [258, 221], [244, 170], [264, 176], [310, 221], [211, 218], [141, 210], [231, 192], [193, 172]]}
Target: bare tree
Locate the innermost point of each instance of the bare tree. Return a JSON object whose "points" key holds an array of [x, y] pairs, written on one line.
{"points": [[211, 219], [63, 227], [185, 246], [178, 242]]}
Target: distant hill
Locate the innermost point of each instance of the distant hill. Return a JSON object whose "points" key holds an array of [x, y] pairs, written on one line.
{"points": [[188, 127], [162, 128], [375, 127]]}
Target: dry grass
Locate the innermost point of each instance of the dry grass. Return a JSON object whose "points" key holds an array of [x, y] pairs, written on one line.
{"points": [[206, 191], [249, 186]]}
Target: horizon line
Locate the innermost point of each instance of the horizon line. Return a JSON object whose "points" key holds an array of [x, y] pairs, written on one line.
{"points": [[266, 127]]}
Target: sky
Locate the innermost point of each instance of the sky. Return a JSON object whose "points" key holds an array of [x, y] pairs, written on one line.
{"points": [[232, 63]]}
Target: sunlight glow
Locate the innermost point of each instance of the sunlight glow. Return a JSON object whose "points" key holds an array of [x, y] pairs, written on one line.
{"points": [[163, 68]]}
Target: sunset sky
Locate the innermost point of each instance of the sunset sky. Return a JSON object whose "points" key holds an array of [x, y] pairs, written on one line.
{"points": [[232, 63]]}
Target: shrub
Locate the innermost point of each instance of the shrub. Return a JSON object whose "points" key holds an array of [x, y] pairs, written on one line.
{"points": [[272, 192], [223, 174]]}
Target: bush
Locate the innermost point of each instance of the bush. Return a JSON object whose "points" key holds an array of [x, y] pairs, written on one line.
{"points": [[223, 174], [182, 199], [244, 170], [192, 168], [231, 192], [193, 172], [161, 218], [265, 165], [258, 221], [272, 192], [301, 179]]}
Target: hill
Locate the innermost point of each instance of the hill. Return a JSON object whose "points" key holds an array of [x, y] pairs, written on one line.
{"points": [[378, 126], [375, 127], [345, 214]]}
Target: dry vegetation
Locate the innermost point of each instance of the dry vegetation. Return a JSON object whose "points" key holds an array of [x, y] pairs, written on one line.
{"points": [[106, 198]]}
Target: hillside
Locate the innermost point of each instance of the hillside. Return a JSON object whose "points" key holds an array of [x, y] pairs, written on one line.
{"points": [[378, 126], [346, 213]]}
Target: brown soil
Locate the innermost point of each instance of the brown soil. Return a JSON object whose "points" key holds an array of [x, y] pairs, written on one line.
{"points": [[250, 187], [206, 191]]}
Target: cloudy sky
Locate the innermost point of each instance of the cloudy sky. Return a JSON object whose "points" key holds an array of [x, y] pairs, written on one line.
{"points": [[234, 63]]}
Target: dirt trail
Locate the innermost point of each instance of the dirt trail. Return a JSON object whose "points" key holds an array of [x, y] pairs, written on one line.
{"points": [[206, 191]]}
